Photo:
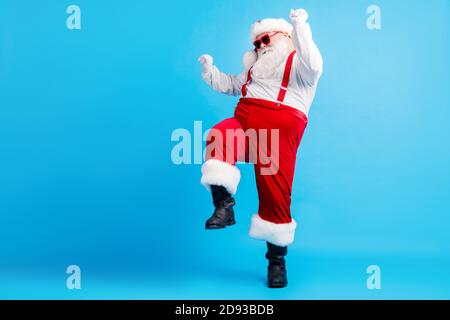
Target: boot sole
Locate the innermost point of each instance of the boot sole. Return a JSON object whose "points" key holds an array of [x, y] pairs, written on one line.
{"points": [[277, 285], [213, 227], [218, 226]]}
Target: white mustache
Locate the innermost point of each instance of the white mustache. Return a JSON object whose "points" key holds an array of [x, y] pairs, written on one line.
{"points": [[265, 50], [269, 58]]}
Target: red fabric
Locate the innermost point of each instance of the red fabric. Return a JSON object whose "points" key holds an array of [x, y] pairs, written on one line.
{"points": [[274, 190]]}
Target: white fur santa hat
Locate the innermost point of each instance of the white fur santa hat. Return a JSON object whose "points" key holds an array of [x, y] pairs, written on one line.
{"points": [[269, 25]]}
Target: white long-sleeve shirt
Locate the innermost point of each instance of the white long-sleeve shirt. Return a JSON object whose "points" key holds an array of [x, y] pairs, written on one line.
{"points": [[306, 71]]}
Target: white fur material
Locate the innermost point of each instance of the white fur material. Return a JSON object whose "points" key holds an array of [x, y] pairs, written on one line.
{"points": [[249, 59], [269, 25], [278, 234], [219, 173]]}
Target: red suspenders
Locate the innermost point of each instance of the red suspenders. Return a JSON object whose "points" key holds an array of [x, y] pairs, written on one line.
{"points": [[284, 83], [249, 78]]}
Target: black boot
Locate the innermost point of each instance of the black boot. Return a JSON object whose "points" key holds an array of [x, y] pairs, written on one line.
{"points": [[276, 272], [223, 214]]}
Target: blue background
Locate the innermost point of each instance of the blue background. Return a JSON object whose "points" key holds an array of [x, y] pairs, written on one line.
{"points": [[86, 176]]}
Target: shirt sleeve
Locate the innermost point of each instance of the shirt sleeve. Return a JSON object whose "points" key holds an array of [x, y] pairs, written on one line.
{"points": [[309, 58], [224, 83]]}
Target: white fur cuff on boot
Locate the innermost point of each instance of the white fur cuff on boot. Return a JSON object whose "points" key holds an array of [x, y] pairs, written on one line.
{"points": [[219, 173], [279, 234]]}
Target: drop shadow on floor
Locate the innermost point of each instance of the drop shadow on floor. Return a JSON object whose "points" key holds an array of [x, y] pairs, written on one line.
{"points": [[231, 273]]}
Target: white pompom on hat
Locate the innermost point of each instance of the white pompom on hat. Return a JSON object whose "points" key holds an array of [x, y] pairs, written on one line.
{"points": [[249, 59], [269, 25]]}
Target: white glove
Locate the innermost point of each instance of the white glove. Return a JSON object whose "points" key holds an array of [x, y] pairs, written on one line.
{"points": [[298, 15], [207, 61]]}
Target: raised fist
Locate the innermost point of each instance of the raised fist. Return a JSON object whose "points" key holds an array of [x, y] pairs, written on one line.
{"points": [[206, 60], [298, 15]]}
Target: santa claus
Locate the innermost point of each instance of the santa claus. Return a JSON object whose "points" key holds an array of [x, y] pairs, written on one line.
{"points": [[277, 87]]}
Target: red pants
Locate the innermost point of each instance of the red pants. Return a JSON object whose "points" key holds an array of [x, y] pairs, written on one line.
{"points": [[279, 130]]}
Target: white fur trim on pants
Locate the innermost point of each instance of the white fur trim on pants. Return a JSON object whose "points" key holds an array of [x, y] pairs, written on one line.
{"points": [[279, 234], [220, 173]]}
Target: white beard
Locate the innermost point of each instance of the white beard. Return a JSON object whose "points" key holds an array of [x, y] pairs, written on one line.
{"points": [[270, 58]]}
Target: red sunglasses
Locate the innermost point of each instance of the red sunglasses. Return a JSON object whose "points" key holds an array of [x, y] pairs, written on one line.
{"points": [[265, 38]]}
